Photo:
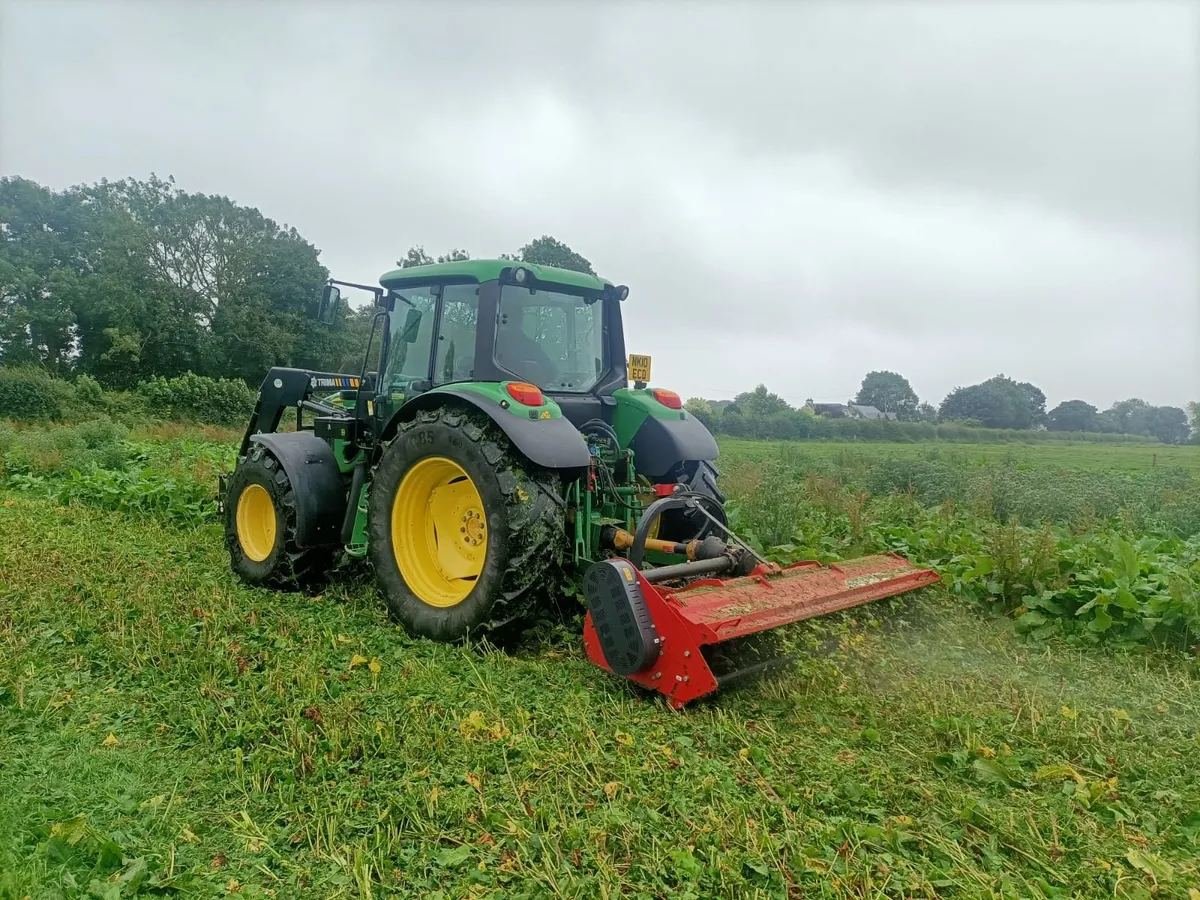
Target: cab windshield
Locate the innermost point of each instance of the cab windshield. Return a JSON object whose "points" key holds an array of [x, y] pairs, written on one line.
{"points": [[551, 339]]}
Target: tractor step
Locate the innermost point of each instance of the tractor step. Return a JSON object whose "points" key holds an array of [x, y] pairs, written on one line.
{"points": [[654, 635]]}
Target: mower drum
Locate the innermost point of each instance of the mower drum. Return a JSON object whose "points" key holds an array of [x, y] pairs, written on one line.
{"points": [[654, 635]]}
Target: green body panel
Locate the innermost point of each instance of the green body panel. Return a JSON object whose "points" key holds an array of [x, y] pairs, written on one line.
{"points": [[633, 408], [591, 517], [347, 455], [357, 547], [482, 270], [497, 393]]}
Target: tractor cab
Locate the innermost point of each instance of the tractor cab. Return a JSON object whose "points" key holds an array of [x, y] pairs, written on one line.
{"points": [[495, 322], [524, 342]]}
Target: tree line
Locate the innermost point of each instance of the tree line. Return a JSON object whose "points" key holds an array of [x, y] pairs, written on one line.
{"points": [[126, 281], [1000, 403], [131, 280]]}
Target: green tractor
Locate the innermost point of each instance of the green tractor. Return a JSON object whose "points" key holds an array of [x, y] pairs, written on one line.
{"points": [[496, 446]]}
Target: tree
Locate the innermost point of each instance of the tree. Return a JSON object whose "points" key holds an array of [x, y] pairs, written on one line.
{"points": [[987, 404], [888, 392], [129, 279], [548, 251], [1131, 416], [26, 245], [1035, 401], [342, 348], [998, 402], [1194, 420], [1168, 423], [1072, 415], [77, 290], [702, 410], [758, 403], [417, 256], [247, 281], [1029, 403], [926, 412], [543, 251]]}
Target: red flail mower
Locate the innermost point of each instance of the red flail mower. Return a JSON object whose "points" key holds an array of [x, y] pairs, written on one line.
{"points": [[662, 637]]}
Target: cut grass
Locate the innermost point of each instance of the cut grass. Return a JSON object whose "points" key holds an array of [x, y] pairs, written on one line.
{"points": [[163, 724]]}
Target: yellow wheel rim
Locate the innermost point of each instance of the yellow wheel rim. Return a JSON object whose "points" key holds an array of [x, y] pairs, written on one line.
{"points": [[646, 498], [256, 522], [439, 531]]}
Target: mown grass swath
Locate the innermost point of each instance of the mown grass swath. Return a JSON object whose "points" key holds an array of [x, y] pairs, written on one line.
{"points": [[168, 729]]}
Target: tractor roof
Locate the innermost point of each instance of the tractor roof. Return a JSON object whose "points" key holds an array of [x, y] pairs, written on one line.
{"points": [[482, 270]]}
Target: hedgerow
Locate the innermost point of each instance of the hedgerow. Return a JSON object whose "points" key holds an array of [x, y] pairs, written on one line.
{"points": [[30, 395], [214, 401]]}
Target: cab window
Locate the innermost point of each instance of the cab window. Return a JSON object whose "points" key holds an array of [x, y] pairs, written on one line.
{"points": [[551, 338], [456, 337], [411, 336]]}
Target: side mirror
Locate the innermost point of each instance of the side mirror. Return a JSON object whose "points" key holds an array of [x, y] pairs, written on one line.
{"points": [[331, 303], [412, 325]]}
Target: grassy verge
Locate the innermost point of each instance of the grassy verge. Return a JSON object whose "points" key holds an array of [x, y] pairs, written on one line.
{"points": [[163, 727]]}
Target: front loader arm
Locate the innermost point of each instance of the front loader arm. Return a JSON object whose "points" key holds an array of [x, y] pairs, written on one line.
{"points": [[284, 387]]}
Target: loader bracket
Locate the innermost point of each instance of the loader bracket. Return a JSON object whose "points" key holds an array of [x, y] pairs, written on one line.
{"points": [[623, 624]]}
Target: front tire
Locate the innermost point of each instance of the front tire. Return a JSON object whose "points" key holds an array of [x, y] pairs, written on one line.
{"points": [[466, 536], [260, 527]]}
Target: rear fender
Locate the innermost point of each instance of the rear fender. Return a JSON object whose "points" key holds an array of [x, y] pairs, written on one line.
{"points": [[660, 437], [546, 438], [317, 483]]}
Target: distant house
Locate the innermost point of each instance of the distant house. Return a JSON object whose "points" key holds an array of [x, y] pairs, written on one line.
{"points": [[847, 411], [831, 410], [870, 412]]}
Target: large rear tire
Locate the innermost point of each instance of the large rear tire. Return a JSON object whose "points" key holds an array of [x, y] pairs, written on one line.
{"points": [[466, 536], [260, 527]]}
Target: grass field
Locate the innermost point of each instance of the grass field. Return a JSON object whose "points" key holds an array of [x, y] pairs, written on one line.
{"points": [[166, 730], [1081, 456]]}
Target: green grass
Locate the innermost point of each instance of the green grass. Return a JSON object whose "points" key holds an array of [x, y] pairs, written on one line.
{"points": [[163, 727], [1072, 456]]}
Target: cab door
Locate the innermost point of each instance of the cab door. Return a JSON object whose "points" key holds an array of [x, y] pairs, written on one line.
{"points": [[406, 368]]}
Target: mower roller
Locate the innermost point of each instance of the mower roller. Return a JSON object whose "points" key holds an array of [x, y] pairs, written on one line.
{"points": [[496, 446]]}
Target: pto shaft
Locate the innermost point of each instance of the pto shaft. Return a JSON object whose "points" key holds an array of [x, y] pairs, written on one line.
{"points": [[706, 556], [708, 549]]}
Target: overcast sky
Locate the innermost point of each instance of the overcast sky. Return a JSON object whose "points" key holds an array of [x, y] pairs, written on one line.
{"points": [[795, 193]]}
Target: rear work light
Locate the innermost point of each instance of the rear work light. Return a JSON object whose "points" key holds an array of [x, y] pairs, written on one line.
{"points": [[669, 399], [524, 393]]}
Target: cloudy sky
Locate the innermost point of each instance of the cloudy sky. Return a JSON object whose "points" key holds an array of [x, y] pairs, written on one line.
{"points": [[795, 193]]}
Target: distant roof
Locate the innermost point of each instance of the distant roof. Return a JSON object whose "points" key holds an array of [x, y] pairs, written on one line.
{"points": [[482, 270], [867, 412]]}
